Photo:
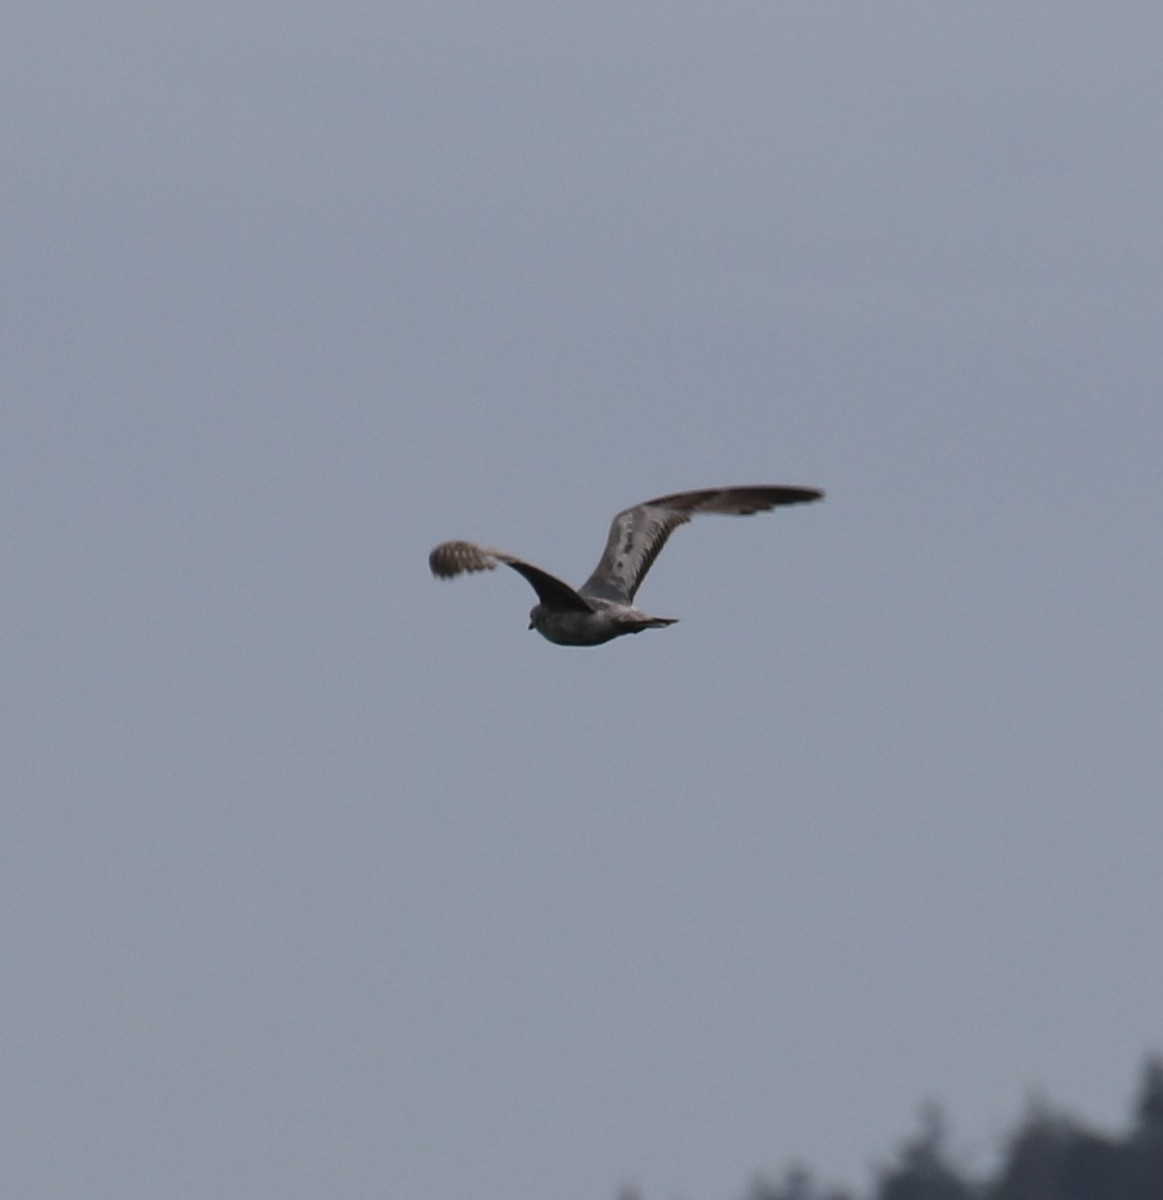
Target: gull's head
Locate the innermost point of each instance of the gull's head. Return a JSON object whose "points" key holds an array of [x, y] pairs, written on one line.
{"points": [[536, 616]]}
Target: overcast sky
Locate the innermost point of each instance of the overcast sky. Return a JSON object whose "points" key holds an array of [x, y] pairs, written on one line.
{"points": [[322, 878]]}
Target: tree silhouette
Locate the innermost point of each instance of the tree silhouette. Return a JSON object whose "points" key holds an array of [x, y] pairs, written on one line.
{"points": [[923, 1170], [1048, 1156], [797, 1184], [1145, 1145]]}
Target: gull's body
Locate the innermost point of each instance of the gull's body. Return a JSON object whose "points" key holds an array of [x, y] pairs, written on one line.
{"points": [[603, 607]]}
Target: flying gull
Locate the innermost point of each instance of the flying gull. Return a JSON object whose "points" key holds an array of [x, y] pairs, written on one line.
{"points": [[603, 607]]}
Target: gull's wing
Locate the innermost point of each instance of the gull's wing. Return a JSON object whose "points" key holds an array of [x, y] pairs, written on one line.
{"points": [[454, 558], [639, 533]]}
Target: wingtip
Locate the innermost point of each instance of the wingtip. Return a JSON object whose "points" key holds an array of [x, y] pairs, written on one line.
{"points": [[794, 495], [454, 558]]}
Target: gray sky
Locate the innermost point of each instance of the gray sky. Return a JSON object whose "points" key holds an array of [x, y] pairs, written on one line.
{"points": [[322, 878]]}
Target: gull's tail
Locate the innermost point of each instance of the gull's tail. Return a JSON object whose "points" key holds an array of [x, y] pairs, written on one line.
{"points": [[638, 624]]}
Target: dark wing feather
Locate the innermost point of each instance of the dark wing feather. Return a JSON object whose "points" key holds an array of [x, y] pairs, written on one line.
{"points": [[638, 534], [455, 558]]}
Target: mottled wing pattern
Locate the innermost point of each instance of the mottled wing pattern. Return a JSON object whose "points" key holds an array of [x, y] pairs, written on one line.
{"points": [[455, 558], [638, 534]]}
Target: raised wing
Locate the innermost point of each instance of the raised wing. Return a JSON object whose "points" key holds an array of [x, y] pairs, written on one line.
{"points": [[455, 558], [638, 534]]}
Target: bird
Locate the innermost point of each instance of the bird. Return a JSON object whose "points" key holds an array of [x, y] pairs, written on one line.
{"points": [[603, 607]]}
